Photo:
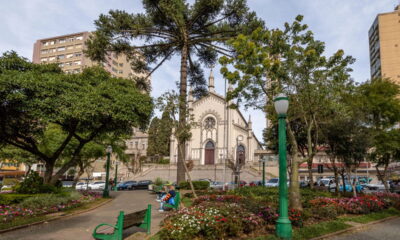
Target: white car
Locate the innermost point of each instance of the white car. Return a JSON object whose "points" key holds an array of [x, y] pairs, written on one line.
{"points": [[97, 186], [81, 186], [273, 182]]}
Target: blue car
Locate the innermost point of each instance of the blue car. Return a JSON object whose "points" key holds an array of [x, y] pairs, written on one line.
{"points": [[349, 188], [127, 185]]}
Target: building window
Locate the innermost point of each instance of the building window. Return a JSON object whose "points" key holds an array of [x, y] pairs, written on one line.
{"points": [[136, 145], [78, 46], [209, 123], [61, 65], [79, 38], [61, 49], [120, 72], [60, 57], [121, 64], [78, 54], [240, 154], [115, 63], [70, 55], [52, 58], [44, 51], [70, 47], [43, 59], [61, 41], [77, 63], [53, 50], [114, 70]]}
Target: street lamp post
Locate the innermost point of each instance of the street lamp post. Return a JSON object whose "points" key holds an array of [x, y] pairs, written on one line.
{"points": [[106, 192], [116, 176], [263, 160], [283, 224]]}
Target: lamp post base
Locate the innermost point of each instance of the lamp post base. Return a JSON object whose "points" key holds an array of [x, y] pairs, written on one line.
{"points": [[284, 228], [106, 194]]}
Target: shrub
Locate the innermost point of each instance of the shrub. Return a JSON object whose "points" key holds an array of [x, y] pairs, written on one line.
{"points": [[31, 184], [198, 185], [11, 198], [48, 200], [218, 198], [326, 212], [158, 182]]}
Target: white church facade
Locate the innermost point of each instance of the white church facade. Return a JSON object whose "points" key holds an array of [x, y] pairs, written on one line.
{"points": [[218, 132]]}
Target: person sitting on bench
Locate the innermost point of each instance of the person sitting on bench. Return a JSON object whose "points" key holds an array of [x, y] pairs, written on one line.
{"points": [[168, 198]]}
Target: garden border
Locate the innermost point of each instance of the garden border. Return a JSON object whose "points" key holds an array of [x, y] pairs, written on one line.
{"points": [[56, 217], [355, 228]]}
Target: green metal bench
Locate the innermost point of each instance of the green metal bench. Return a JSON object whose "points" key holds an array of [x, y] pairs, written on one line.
{"points": [[177, 201], [141, 219]]}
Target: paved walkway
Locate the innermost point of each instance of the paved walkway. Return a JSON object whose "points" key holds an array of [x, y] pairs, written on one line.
{"points": [[80, 227], [388, 230]]}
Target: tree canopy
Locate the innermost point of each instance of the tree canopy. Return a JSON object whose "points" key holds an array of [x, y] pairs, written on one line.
{"points": [[196, 32], [44, 110]]}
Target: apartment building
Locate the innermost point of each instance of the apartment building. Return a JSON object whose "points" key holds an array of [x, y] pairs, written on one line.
{"points": [[384, 46], [67, 51]]}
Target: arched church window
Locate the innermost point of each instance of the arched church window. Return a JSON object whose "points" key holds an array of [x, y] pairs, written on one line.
{"points": [[209, 145], [240, 153], [209, 123]]}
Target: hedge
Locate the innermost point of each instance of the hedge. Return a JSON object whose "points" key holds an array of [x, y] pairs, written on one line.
{"points": [[11, 198], [198, 185]]}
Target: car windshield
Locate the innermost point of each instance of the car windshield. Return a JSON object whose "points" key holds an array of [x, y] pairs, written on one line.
{"points": [[274, 180]]}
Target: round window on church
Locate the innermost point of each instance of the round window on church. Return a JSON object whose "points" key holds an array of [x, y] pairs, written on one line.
{"points": [[209, 123]]}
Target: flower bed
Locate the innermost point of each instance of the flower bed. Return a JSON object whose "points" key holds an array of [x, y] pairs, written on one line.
{"points": [[251, 211], [38, 205]]}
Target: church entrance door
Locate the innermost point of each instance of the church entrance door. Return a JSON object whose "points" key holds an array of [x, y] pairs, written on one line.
{"points": [[209, 153]]}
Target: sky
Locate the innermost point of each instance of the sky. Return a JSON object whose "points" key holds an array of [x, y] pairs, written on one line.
{"points": [[341, 24]]}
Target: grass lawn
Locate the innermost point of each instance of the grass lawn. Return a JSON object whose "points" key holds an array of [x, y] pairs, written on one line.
{"points": [[22, 221], [187, 202], [19, 221], [373, 216]]}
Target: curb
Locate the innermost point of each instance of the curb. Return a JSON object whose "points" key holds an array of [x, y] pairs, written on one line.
{"points": [[329, 235], [56, 217]]}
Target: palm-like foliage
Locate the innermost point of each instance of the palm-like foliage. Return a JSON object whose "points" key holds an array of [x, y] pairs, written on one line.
{"points": [[195, 32]]}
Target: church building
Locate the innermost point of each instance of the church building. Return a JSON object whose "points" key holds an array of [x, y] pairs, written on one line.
{"points": [[218, 132]]}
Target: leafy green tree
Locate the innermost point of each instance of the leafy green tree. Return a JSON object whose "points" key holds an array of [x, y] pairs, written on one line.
{"points": [[43, 110], [11, 153], [291, 61], [195, 32], [379, 103], [153, 140]]}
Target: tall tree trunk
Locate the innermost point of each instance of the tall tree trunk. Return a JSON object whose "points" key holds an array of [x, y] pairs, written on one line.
{"points": [[182, 116], [294, 188], [78, 176], [383, 176], [48, 172], [344, 182], [310, 155]]}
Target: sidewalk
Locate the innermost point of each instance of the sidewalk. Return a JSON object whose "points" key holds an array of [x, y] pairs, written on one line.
{"points": [[80, 227]]}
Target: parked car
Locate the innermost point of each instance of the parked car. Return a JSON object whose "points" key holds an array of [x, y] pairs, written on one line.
{"points": [[81, 186], [304, 184], [255, 183], [127, 185], [232, 185], [67, 183], [217, 185], [273, 182], [143, 184], [97, 186], [349, 188]]}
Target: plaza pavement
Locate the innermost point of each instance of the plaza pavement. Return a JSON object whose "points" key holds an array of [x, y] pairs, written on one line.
{"points": [[387, 230], [80, 227]]}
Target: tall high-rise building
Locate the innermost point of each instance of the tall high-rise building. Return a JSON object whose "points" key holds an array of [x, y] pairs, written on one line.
{"points": [[384, 46], [67, 51]]}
